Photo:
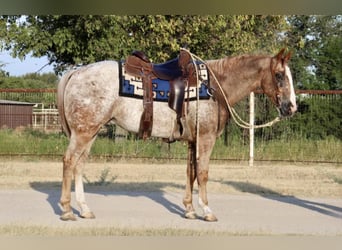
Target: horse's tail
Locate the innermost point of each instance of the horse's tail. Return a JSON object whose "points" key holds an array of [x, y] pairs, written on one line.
{"points": [[60, 101]]}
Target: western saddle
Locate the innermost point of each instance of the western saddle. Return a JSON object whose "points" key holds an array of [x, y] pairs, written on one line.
{"points": [[180, 72]]}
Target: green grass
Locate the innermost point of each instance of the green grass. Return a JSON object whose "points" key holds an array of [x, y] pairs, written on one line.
{"points": [[35, 143], [327, 150], [31, 142]]}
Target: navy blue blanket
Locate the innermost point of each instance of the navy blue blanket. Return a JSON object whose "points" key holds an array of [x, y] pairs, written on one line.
{"points": [[131, 86]]}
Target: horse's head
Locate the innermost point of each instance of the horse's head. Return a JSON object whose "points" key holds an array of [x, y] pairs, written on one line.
{"points": [[278, 85]]}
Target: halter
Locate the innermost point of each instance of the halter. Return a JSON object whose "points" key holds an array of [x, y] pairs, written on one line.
{"points": [[277, 95], [237, 119]]}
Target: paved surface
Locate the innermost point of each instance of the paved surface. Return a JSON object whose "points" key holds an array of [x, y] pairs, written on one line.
{"points": [[237, 214]]}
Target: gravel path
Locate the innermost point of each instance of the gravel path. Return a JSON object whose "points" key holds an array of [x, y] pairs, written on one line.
{"points": [[245, 214]]}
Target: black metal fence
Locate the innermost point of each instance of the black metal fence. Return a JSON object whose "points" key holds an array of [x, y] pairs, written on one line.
{"points": [[318, 111], [319, 118]]}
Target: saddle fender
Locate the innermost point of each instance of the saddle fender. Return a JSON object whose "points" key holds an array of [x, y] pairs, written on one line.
{"points": [[176, 98]]}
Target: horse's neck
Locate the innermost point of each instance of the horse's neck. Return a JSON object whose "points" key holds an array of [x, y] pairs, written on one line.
{"points": [[238, 76]]}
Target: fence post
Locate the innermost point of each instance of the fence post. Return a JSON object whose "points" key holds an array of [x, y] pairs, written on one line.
{"points": [[251, 129]]}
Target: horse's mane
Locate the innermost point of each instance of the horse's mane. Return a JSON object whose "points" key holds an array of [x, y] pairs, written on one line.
{"points": [[232, 62]]}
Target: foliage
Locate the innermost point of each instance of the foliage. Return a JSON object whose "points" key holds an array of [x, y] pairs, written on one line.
{"points": [[29, 81], [46, 98], [3, 73], [316, 42], [72, 40], [320, 117], [69, 40]]}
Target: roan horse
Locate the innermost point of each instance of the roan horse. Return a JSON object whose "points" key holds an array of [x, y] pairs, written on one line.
{"points": [[88, 98]]}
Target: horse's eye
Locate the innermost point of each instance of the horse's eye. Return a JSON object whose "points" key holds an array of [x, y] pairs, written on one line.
{"points": [[279, 76]]}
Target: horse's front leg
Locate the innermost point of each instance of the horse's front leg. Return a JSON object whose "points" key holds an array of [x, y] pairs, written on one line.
{"points": [[191, 176], [202, 170], [203, 200]]}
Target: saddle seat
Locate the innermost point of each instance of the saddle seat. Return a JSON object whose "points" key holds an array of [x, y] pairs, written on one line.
{"points": [[168, 70]]}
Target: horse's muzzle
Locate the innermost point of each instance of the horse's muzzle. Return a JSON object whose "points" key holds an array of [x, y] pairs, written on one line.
{"points": [[287, 108]]}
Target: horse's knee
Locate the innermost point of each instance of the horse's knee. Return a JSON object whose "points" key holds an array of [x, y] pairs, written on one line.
{"points": [[68, 164], [202, 176], [67, 161]]}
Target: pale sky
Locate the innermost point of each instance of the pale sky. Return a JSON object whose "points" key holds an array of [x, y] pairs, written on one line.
{"points": [[16, 67]]}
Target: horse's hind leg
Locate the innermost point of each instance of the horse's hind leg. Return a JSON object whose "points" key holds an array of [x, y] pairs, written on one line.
{"points": [[79, 190], [72, 164]]}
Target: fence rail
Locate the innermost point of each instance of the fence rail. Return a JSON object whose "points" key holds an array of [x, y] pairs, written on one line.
{"points": [[319, 117], [45, 115]]}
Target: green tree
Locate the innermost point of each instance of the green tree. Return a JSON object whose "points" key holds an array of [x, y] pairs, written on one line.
{"points": [[31, 80], [71, 40], [317, 45], [319, 117], [2, 71], [65, 40]]}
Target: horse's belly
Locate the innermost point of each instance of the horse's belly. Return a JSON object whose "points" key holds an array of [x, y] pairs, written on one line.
{"points": [[128, 111], [164, 120]]}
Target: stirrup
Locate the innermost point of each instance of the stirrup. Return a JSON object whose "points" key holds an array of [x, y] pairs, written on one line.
{"points": [[175, 134], [181, 130], [186, 133]]}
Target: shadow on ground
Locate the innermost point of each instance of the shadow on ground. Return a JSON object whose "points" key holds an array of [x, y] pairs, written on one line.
{"points": [[155, 192], [321, 208], [52, 190]]}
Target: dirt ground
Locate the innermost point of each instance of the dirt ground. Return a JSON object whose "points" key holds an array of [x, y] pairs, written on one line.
{"points": [[309, 180], [146, 199]]}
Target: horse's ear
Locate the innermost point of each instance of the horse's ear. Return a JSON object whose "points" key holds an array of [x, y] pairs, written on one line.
{"points": [[287, 57], [280, 54]]}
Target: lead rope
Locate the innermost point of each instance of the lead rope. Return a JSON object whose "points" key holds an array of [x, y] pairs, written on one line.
{"points": [[237, 119], [193, 57]]}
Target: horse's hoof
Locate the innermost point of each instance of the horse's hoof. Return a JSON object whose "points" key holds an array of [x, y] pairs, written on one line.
{"points": [[68, 216], [87, 215], [191, 215], [210, 218]]}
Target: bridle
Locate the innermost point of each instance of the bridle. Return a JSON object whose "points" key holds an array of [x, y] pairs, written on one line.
{"points": [[278, 79]]}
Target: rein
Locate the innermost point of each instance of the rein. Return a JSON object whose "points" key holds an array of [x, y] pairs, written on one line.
{"points": [[237, 119]]}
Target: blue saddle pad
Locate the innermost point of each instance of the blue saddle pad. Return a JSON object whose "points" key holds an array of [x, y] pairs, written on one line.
{"points": [[131, 86]]}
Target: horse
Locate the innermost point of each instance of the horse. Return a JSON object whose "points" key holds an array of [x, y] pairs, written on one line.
{"points": [[88, 99]]}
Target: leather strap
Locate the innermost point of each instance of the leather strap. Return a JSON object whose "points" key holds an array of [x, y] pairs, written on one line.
{"points": [[146, 121]]}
